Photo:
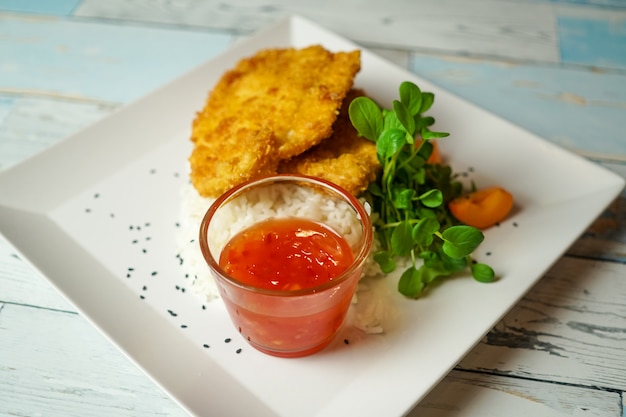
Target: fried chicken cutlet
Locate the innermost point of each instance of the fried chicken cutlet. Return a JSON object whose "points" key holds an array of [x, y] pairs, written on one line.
{"points": [[269, 107], [345, 158]]}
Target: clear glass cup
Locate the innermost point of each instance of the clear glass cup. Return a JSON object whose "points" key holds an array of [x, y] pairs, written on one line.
{"points": [[280, 322]]}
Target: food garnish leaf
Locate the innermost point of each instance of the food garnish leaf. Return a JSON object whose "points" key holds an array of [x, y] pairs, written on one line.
{"points": [[432, 198], [404, 116], [401, 239], [385, 260], [483, 273], [423, 232], [427, 134], [390, 142], [403, 198], [461, 240], [411, 195], [410, 283], [412, 97], [366, 117]]}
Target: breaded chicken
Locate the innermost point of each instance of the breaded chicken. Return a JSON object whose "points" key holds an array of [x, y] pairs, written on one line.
{"points": [[344, 158], [273, 106], [217, 166]]}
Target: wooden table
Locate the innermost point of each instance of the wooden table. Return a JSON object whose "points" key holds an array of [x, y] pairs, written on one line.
{"points": [[555, 67]]}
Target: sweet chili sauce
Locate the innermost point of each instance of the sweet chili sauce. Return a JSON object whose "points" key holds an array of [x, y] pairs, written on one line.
{"points": [[286, 255]]}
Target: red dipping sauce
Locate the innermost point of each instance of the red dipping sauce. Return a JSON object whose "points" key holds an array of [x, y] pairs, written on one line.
{"points": [[286, 254]]}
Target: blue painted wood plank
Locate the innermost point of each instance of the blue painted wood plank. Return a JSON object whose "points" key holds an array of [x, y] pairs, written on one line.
{"points": [[571, 107], [590, 41], [49, 7], [612, 4], [98, 61], [6, 103], [30, 124], [618, 4]]}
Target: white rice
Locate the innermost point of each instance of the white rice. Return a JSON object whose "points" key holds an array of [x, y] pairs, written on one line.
{"points": [[243, 213]]}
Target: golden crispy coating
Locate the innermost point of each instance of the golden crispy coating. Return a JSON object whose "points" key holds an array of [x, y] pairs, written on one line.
{"points": [[217, 166], [344, 158], [271, 106]]}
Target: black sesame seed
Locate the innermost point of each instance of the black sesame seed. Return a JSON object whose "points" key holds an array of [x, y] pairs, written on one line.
{"points": [[206, 346], [178, 287], [127, 275], [144, 250], [142, 297], [112, 215], [227, 340], [177, 224], [470, 169], [183, 289], [144, 288], [147, 224], [153, 273], [514, 224], [183, 326], [153, 171], [203, 307], [87, 210], [148, 238], [96, 195], [488, 253], [135, 241], [172, 313], [131, 227], [346, 341], [130, 268], [238, 351]]}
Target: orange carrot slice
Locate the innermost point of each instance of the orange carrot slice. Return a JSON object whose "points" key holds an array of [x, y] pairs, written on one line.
{"points": [[482, 208]]}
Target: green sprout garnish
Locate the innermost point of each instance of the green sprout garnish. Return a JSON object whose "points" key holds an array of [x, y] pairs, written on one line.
{"points": [[411, 195]]}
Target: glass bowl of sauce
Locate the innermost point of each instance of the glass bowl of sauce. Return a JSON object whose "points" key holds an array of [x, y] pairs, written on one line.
{"points": [[286, 252]]}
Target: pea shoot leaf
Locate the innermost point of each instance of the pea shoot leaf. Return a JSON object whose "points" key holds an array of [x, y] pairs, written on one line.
{"points": [[427, 101], [460, 241], [410, 283], [428, 135], [411, 196], [390, 142], [401, 239], [385, 260], [483, 273], [366, 117], [412, 97], [423, 232], [432, 198], [404, 116]]}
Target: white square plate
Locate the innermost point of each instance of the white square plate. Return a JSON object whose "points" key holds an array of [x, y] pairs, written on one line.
{"points": [[98, 216]]}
